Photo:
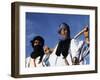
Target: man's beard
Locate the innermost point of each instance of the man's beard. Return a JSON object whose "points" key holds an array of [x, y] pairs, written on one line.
{"points": [[37, 52], [63, 48], [38, 48]]}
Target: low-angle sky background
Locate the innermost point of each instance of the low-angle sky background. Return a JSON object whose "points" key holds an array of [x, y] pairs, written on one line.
{"points": [[46, 25]]}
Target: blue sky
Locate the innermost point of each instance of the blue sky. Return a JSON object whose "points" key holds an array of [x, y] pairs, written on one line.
{"points": [[46, 25]]}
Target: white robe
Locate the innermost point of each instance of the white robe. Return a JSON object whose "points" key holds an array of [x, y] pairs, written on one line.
{"points": [[30, 64], [73, 52]]}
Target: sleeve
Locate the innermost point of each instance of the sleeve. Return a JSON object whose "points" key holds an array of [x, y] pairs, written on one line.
{"points": [[76, 47]]}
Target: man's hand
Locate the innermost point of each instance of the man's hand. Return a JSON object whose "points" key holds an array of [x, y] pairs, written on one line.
{"points": [[39, 61]]}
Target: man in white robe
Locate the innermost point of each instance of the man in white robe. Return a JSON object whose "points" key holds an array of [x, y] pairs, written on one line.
{"points": [[75, 56]]}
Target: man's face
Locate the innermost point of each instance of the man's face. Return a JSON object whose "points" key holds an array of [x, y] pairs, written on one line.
{"points": [[63, 32], [37, 42], [46, 50], [86, 34]]}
